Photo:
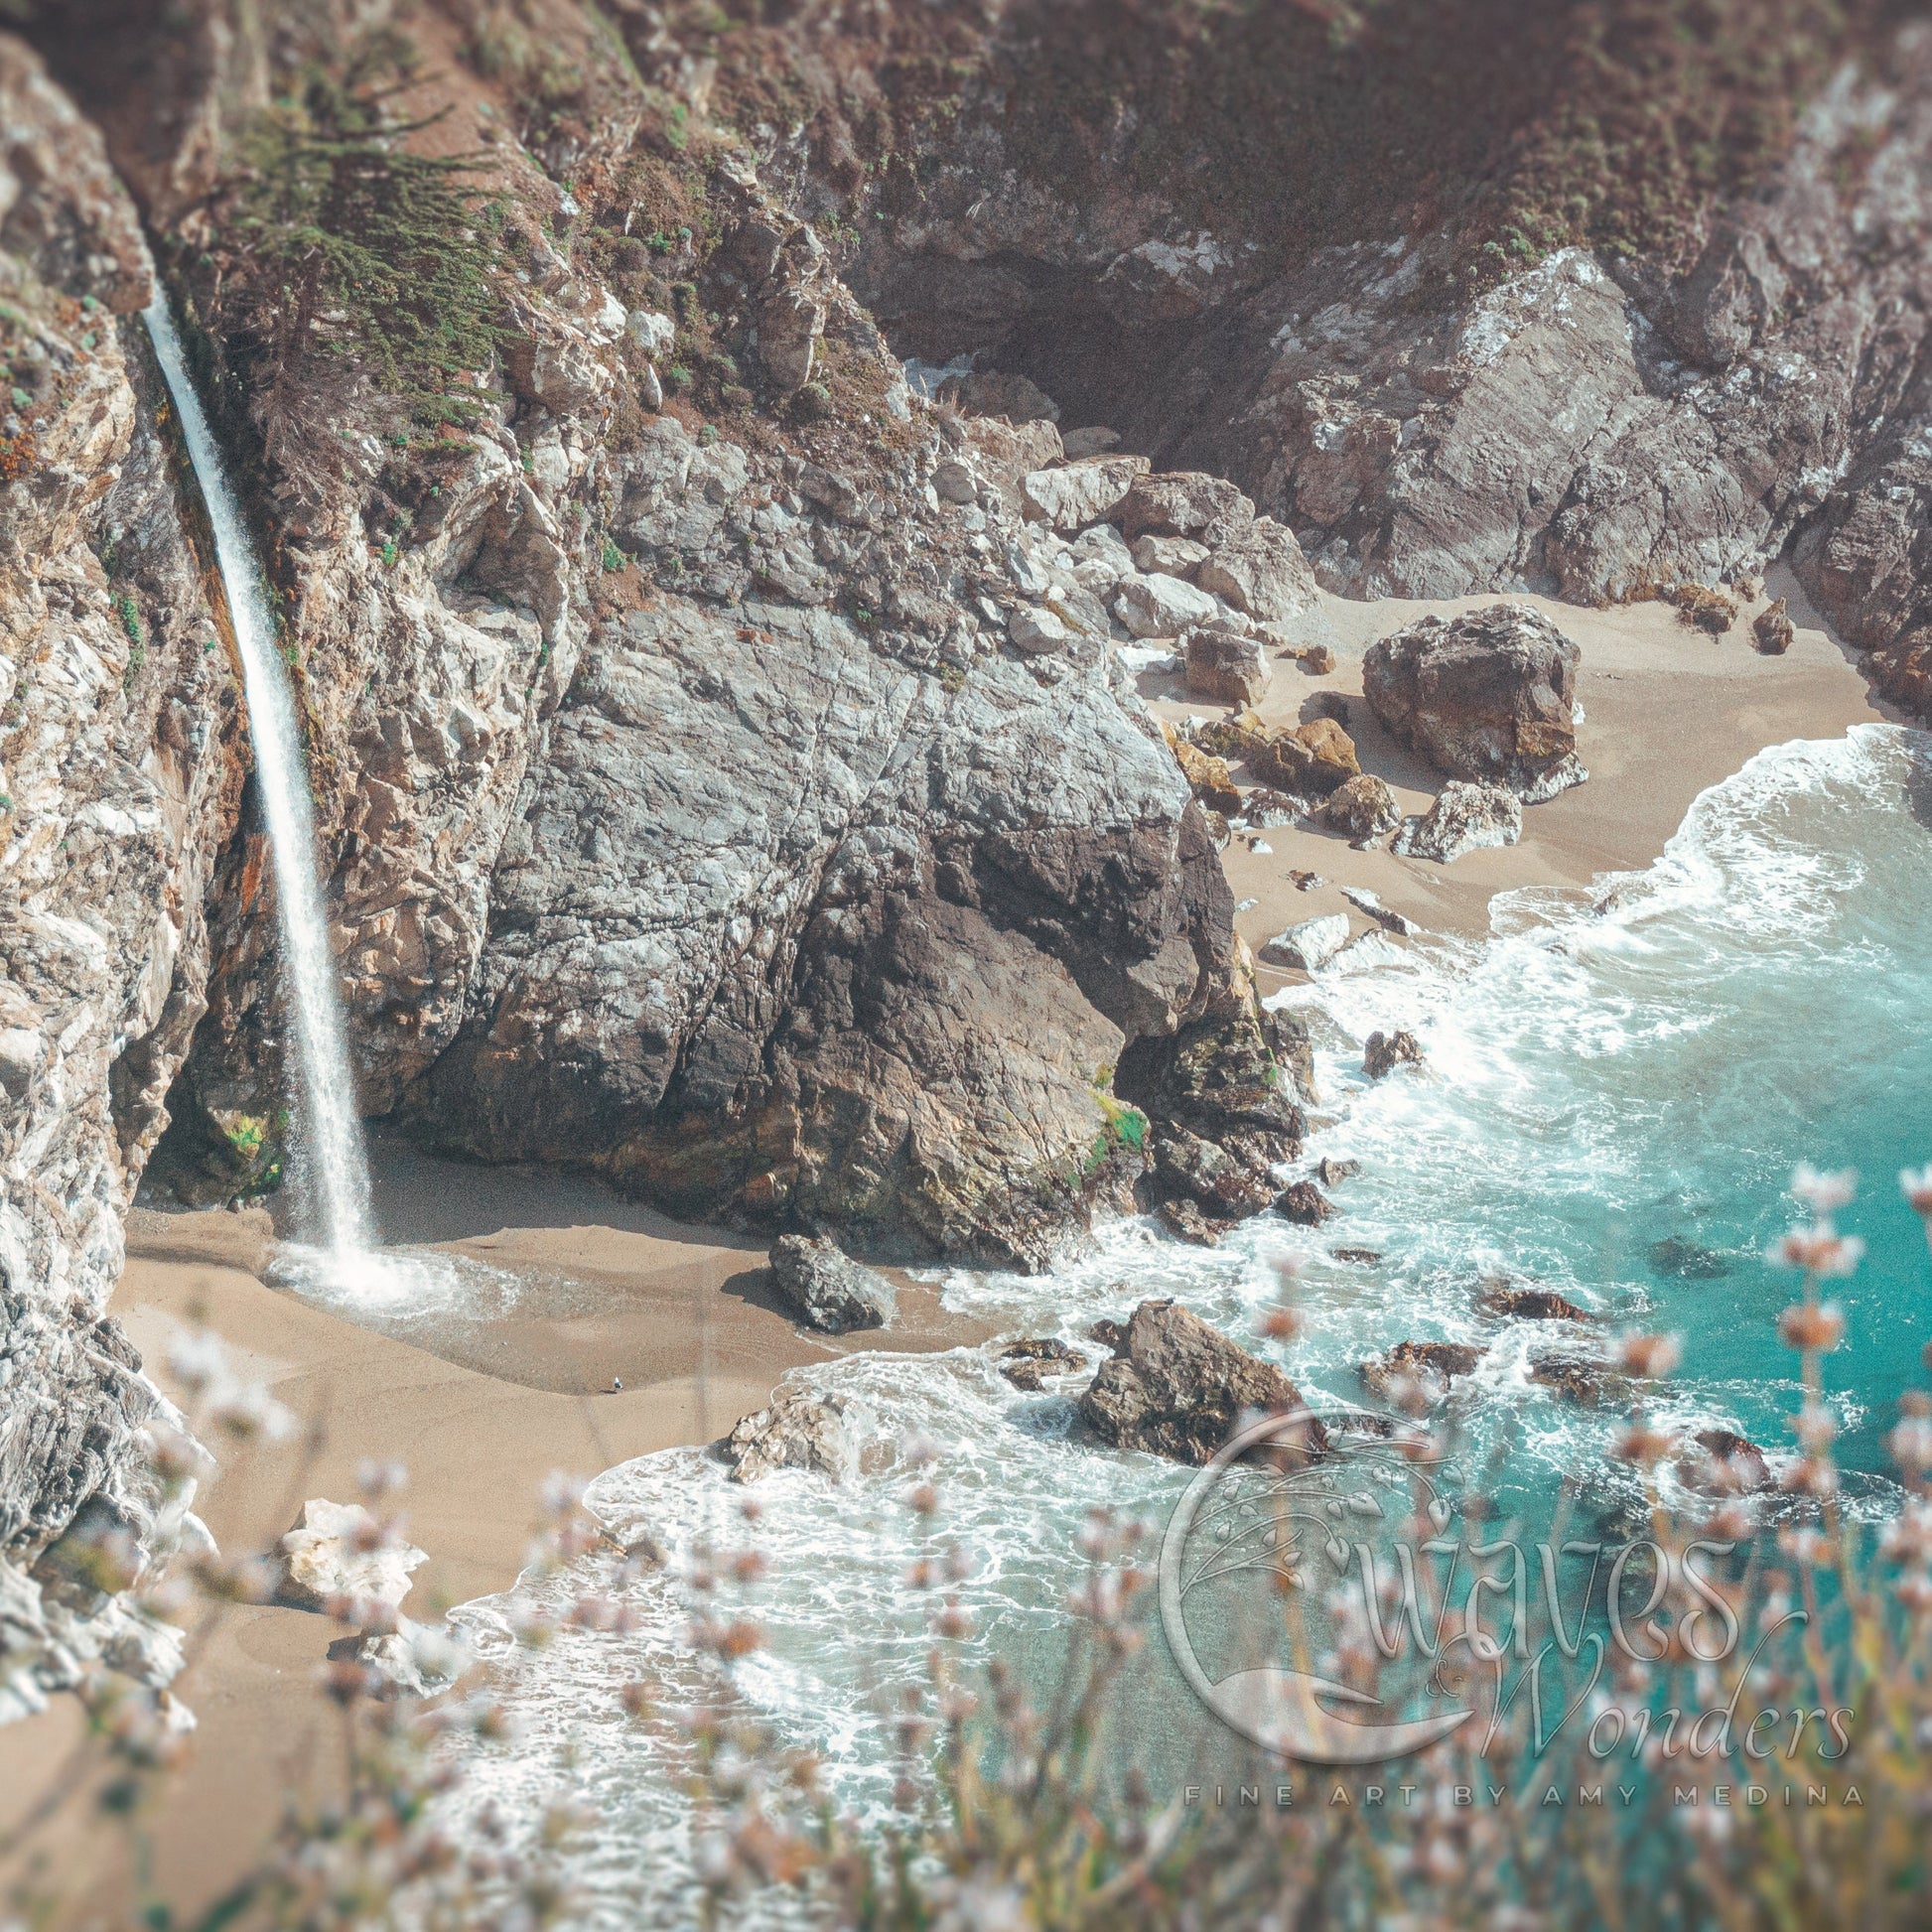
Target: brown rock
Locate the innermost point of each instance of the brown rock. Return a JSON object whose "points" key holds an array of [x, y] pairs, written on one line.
{"points": [[1185, 1221], [1026, 1363], [1580, 1379], [1208, 777], [1182, 1389], [1363, 809], [1313, 759], [1529, 1304], [1382, 1053], [1725, 1463], [1186, 504], [1226, 665], [1304, 1202], [1772, 629], [1442, 1364]]}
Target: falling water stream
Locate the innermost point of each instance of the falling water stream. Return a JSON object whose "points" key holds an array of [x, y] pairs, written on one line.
{"points": [[329, 1121]]}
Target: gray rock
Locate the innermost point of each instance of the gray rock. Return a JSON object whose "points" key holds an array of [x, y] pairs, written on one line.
{"points": [[1080, 442], [828, 1288], [1155, 606], [1309, 945], [1080, 493], [1035, 633], [1225, 665], [801, 1430], [1261, 571], [1487, 695], [1181, 1389], [1169, 556], [1463, 818]]}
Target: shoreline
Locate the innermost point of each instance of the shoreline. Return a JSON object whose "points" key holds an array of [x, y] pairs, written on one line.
{"points": [[483, 1408]]}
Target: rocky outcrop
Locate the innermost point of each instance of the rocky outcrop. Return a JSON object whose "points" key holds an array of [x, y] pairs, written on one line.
{"points": [[1515, 1303], [1027, 1363], [121, 774], [801, 1430], [1429, 1366], [1309, 946], [1181, 1389], [1488, 697], [1225, 664], [1364, 811], [828, 1288], [1383, 1052], [1463, 818]]}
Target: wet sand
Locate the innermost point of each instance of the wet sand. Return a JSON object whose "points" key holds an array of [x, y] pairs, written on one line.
{"points": [[481, 1405]]}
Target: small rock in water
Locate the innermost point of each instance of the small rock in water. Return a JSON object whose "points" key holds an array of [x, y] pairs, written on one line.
{"points": [[1724, 1464], [1529, 1304], [1580, 1379], [1367, 1257], [1333, 1173], [1178, 1388], [1026, 1362], [1687, 1261], [1312, 944], [1435, 1365], [1304, 1202], [797, 1432], [1184, 1220], [1382, 1053], [828, 1288]]}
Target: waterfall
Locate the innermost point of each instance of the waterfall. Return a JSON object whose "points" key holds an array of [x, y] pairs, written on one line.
{"points": [[329, 1123]]}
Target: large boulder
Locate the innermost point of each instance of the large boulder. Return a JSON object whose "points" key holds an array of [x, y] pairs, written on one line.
{"points": [[1155, 606], [1260, 570], [1364, 810], [1225, 664], [828, 1288], [1486, 696], [1310, 944], [1182, 1389], [1080, 493], [1187, 504], [1463, 818], [800, 1430]]}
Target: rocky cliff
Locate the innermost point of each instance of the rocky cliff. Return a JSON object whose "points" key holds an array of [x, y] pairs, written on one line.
{"points": [[120, 782]]}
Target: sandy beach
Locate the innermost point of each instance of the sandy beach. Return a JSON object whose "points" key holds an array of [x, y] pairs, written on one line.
{"points": [[481, 1408]]}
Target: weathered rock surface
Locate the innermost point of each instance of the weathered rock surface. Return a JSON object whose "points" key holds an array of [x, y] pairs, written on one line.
{"points": [[1226, 665], [828, 1288], [1431, 1365], [1364, 810], [1529, 1304], [1488, 696], [1155, 606], [120, 775], [337, 1553], [1311, 759], [1312, 944], [1463, 818], [801, 1430], [1182, 1388], [1027, 1363], [1383, 1052], [1772, 629]]}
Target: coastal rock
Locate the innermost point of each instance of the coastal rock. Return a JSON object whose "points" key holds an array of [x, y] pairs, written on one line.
{"points": [[1386, 916], [1182, 1388], [1223, 1184], [1686, 1260], [800, 1430], [339, 1552], [1080, 493], [1487, 695], [1027, 1363], [1364, 810], [828, 1288], [1382, 1053], [1772, 629], [1036, 634], [1225, 665], [1155, 606], [1301, 1201], [1261, 572], [1583, 1379], [1186, 504], [1723, 1463], [1311, 945], [1188, 1222], [1463, 818], [1311, 760], [1431, 1365], [1515, 1303], [1208, 777]]}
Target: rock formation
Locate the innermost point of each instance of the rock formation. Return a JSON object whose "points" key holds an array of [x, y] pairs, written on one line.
{"points": [[1181, 1389], [1463, 818], [801, 1430], [1488, 697], [828, 1288]]}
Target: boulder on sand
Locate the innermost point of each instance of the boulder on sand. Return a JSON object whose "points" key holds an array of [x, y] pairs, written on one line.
{"points": [[1309, 945], [1225, 665], [1772, 629], [830, 1290], [1162, 607], [339, 1551], [800, 1430], [1311, 760], [1463, 818], [1487, 695], [1261, 571], [1363, 809], [1181, 1389]]}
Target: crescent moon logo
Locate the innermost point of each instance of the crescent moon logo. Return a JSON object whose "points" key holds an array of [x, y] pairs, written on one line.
{"points": [[1279, 1709]]}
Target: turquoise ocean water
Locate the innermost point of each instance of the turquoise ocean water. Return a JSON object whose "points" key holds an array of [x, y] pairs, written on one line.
{"points": [[1602, 1077]]}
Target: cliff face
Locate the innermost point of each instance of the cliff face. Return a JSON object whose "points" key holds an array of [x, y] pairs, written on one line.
{"points": [[118, 784]]}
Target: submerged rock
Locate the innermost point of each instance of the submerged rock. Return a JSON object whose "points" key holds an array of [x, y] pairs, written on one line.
{"points": [[1583, 1379], [1529, 1304], [1686, 1260], [1488, 696], [1182, 1388], [1438, 1363], [1463, 818], [828, 1288], [1724, 1464], [1025, 1363]]}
